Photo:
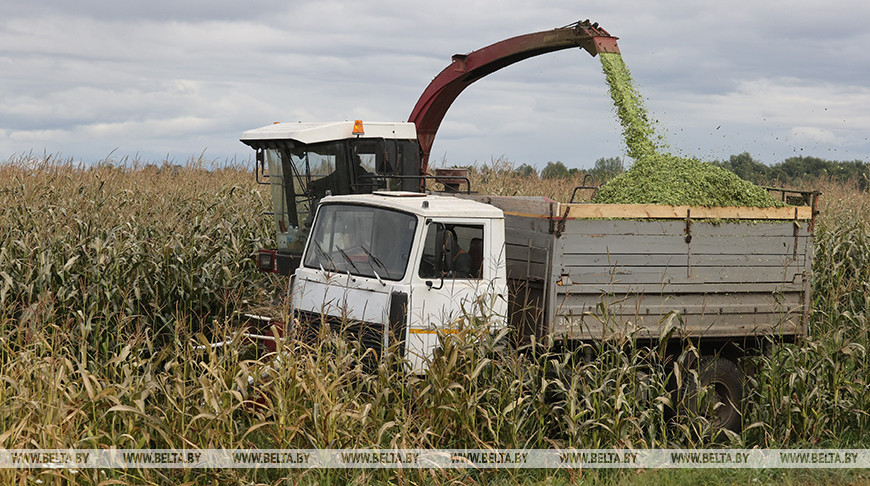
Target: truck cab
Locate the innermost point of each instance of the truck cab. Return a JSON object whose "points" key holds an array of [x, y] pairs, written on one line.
{"points": [[401, 266], [303, 162]]}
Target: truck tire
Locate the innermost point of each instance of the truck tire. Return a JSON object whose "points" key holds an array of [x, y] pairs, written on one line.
{"points": [[724, 383]]}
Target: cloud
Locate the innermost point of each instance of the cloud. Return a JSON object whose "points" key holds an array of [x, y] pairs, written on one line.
{"points": [[814, 135], [156, 77], [770, 118]]}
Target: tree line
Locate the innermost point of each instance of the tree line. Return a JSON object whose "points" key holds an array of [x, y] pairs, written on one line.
{"points": [[795, 170], [604, 169], [791, 171]]}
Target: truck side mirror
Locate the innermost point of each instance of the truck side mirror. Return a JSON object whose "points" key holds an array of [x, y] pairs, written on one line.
{"points": [[437, 263], [447, 251]]}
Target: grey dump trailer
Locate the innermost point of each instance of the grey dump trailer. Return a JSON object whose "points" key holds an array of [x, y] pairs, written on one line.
{"points": [[728, 280], [589, 271]]}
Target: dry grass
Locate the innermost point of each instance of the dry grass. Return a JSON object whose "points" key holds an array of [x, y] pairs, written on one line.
{"points": [[108, 276], [501, 179]]}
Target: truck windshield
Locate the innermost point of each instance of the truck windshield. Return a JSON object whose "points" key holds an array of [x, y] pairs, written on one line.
{"points": [[361, 240]]}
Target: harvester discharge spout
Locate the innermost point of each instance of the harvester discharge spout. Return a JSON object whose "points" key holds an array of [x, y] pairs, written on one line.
{"points": [[465, 69], [601, 39]]}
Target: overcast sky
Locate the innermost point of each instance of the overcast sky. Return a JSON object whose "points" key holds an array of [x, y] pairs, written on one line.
{"points": [[177, 79]]}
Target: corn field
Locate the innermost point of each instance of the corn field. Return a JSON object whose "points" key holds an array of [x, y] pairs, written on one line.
{"points": [[113, 276]]}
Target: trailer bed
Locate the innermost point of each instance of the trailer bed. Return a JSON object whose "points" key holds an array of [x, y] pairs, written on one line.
{"points": [[592, 271]]}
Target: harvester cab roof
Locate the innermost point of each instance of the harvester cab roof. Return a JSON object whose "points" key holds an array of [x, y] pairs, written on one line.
{"points": [[308, 133]]}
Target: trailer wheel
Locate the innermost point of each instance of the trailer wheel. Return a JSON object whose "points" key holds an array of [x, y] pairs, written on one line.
{"points": [[724, 383]]}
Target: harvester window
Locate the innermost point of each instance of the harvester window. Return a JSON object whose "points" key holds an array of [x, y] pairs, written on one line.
{"points": [[367, 159], [327, 168], [452, 251]]}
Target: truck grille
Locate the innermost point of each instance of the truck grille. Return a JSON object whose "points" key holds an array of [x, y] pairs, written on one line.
{"points": [[370, 335]]}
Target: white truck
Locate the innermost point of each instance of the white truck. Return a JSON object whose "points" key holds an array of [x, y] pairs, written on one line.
{"points": [[407, 266]]}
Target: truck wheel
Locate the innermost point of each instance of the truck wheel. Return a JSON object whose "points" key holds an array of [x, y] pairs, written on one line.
{"points": [[724, 383]]}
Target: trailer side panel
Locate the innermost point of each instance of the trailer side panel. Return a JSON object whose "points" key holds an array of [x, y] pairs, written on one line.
{"points": [[580, 274], [724, 279]]}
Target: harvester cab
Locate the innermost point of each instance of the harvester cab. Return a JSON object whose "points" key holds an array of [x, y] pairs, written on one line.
{"points": [[303, 162]]}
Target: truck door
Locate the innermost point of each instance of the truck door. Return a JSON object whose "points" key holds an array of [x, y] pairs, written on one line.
{"points": [[447, 286]]}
